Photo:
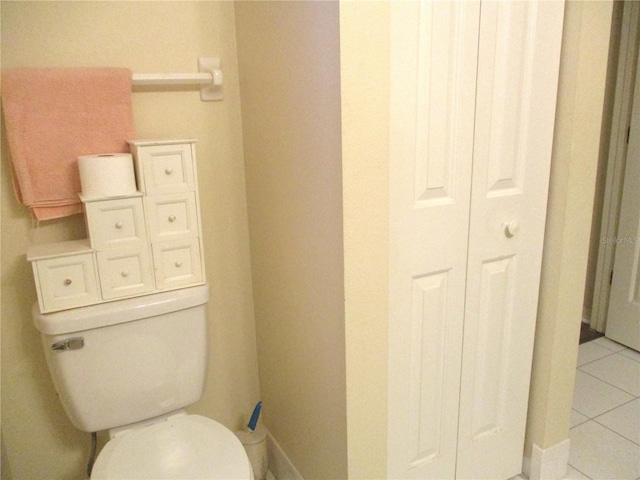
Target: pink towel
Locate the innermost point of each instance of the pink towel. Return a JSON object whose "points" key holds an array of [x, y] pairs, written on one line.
{"points": [[54, 115]]}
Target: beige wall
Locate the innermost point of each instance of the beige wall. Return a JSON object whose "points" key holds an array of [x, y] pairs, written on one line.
{"points": [[321, 163], [364, 60], [146, 37], [289, 75], [573, 169], [294, 126]]}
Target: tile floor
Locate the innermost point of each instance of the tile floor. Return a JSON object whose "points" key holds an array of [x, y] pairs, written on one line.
{"points": [[605, 421]]}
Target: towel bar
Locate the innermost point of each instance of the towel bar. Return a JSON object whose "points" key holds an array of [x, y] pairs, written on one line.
{"points": [[210, 78], [172, 78]]}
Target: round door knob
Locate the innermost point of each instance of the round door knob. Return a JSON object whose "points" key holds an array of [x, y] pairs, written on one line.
{"points": [[68, 282], [119, 225], [172, 218], [168, 171], [125, 274], [512, 228]]}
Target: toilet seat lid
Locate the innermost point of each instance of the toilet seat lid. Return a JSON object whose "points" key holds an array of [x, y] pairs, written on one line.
{"points": [[181, 447]]}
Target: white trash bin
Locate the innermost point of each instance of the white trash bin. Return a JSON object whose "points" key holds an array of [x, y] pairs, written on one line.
{"points": [[255, 444]]}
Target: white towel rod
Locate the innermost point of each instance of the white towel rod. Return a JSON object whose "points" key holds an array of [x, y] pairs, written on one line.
{"points": [[209, 78], [172, 78]]}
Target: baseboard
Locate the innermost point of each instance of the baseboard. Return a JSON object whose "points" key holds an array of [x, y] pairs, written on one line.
{"points": [[279, 464], [548, 464]]}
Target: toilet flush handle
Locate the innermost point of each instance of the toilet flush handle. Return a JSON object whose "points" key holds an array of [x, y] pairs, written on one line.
{"points": [[74, 343]]}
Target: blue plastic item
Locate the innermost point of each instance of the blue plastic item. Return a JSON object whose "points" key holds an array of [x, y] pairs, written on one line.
{"points": [[254, 417]]}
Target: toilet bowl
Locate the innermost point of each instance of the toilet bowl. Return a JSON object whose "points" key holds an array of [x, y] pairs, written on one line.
{"points": [[130, 367]]}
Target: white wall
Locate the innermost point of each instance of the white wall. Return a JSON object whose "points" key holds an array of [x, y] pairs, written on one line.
{"points": [[148, 37]]}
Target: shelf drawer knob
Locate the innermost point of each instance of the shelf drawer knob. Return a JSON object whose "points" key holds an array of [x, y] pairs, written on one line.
{"points": [[172, 218], [168, 170], [125, 274], [178, 264], [118, 225], [68, 281]]}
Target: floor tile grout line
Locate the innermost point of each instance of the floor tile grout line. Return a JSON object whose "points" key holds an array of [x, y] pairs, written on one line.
{"points": [[610, 384], [628, 349], [580, 471], [610, 354], [600, 358], [603, 346], [613, 431], [589, 418], [637, 361], [603, 413], [581, 423], [617, 433], [621, 405]]}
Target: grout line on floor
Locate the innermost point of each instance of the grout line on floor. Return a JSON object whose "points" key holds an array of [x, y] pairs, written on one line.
{"points": [[604, 381], [605, 412], [599, 358], [580, 472], [612, 430]]}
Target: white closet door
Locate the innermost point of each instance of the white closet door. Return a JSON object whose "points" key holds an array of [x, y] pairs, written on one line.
{"points": [[433, 79], [518, 62]]}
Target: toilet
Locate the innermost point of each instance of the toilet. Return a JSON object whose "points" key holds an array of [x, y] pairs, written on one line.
{"points": [[130, 367]]}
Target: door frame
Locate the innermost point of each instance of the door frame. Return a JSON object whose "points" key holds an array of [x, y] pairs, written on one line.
{"points": [[623, 101]]}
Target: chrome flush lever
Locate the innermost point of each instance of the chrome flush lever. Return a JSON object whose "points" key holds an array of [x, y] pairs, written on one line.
{"points": [[74, 343]]}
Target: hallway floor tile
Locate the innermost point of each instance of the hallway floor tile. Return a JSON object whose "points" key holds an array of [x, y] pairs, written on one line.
{"points": [[605, 421]]}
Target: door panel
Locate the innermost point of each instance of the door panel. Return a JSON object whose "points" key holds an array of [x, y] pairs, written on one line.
{"points": [[496, 303], [466, 229], [504, 95], [428, 348], [623, 321], [517, 84], [434, 52]]}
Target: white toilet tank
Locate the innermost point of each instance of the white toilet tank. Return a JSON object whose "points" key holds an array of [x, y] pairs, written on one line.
{"points": [[130, 360]]}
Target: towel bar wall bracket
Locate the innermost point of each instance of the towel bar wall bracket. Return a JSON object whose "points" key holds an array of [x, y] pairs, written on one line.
{"points": [[210, 78]]}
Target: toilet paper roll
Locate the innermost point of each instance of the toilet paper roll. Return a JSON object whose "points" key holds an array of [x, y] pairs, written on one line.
{"points": [[107, 175]]}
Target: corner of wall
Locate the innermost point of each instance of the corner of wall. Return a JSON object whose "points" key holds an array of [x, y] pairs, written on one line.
{"points": [[279, 463], [575, 158], [547, 464]]}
